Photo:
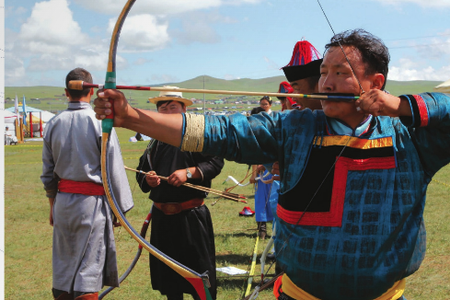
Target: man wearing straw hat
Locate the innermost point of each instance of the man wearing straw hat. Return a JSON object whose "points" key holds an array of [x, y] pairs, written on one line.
{"points": [[181, 222]]}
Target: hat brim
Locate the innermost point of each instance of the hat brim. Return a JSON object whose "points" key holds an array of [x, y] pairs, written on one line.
{"points": [[294, 73], [186, 102]]}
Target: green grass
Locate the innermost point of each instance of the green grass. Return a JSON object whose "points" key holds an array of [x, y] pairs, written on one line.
{"points": [[28, 236]]}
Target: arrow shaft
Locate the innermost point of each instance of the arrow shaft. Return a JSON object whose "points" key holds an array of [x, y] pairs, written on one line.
{"points": [[80, 85]]}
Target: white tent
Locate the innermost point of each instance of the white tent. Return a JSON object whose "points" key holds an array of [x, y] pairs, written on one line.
{"points": [[37, 113], [10, 117], [44, 115], [443, 87]]}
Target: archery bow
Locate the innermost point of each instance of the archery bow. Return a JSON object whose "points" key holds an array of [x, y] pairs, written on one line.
{"points": [[136, 257], [200, 282]]}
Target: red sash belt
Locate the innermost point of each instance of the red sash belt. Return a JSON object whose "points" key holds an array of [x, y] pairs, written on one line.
{"points": [[172, 208], [88, 188]]}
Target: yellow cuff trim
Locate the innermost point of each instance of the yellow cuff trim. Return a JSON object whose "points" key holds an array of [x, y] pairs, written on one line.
{"points": [[193, 138]]}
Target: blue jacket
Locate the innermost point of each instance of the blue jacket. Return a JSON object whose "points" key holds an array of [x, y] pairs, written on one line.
{"points": [[358, 227]]}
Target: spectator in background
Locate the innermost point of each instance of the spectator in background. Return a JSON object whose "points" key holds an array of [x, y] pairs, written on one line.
{"points": [[286, 102], [264, 190], [303, 73], [266, 104]]}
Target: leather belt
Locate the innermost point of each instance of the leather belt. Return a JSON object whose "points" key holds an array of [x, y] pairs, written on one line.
{"points": [[172, 208]]}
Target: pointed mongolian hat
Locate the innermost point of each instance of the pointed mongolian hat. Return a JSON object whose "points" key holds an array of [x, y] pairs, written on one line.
{"points": [[167, 96], [246, 212], [285, 87], [305, 62]]}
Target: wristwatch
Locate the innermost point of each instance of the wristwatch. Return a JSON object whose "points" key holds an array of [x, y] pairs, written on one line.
{"points": [[188, 173]]}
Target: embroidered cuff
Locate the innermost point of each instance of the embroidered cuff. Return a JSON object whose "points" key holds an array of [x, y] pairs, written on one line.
{"points": [[420, 115], [193, 137]]}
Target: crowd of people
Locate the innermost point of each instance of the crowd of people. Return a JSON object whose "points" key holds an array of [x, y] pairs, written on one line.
{"points": [[351, 178]]}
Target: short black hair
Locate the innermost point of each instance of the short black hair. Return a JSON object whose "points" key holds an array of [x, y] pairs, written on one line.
{"points": [[374, 53], [78, 74], [256, 110], [266, 98], [159, 103]]}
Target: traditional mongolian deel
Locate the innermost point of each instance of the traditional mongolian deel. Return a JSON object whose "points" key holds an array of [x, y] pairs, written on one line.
{"points": [[263, 193], [358, 228], [84, 252], [187, 235]]}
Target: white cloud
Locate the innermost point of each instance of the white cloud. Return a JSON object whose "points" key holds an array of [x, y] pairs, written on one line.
{"points": [[158, 7], [50, 39], [141, 61], [423, 3], [14, 70], [56, 33], [57, 43], [154, 7], [431, 60], [142, 33], [408, 70], [197, 27]]}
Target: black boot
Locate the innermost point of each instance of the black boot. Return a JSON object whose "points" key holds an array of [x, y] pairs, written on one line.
{"points": [[175, 297], [262, 230], [61, 295]]}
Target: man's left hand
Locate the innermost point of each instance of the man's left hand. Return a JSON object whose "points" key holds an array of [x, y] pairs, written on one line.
{"points": [[178, 177], [379, 103]]}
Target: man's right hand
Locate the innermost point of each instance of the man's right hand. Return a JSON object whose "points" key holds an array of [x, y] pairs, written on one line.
{"points": [[152, 179], [119, 104]]}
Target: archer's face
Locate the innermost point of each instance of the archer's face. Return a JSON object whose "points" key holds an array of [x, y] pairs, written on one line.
{"points": [[336, 76], [173, 107]]}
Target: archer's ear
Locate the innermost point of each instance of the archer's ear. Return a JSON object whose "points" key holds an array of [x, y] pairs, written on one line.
{"points": [[92, 92], [67, 93], [378, 81]]}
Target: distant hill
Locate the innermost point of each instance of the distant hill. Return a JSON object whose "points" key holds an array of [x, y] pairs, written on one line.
{"points": [[410, 87], [53, 99]]}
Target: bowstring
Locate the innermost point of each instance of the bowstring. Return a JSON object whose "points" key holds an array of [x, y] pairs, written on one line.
{"points": [[342, 49]]}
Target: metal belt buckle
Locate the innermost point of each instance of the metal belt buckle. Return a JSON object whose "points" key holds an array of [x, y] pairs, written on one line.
{"points": [[171, 208]]}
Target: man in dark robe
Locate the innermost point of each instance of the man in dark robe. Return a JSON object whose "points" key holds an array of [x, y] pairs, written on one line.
{"points": [[181, 223]]}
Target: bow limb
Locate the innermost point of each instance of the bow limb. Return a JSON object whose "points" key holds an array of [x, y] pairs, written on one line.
{"points": [[265, 253], [198, 281]]}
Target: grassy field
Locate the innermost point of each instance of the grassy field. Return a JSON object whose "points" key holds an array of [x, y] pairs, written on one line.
{"points": [[28, 236]]}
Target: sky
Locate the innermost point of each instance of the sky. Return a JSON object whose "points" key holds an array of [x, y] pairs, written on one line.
{"points": [[173, 41]]}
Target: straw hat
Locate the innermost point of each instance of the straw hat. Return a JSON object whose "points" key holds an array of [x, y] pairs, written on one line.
{"points": [[167, 96]]}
